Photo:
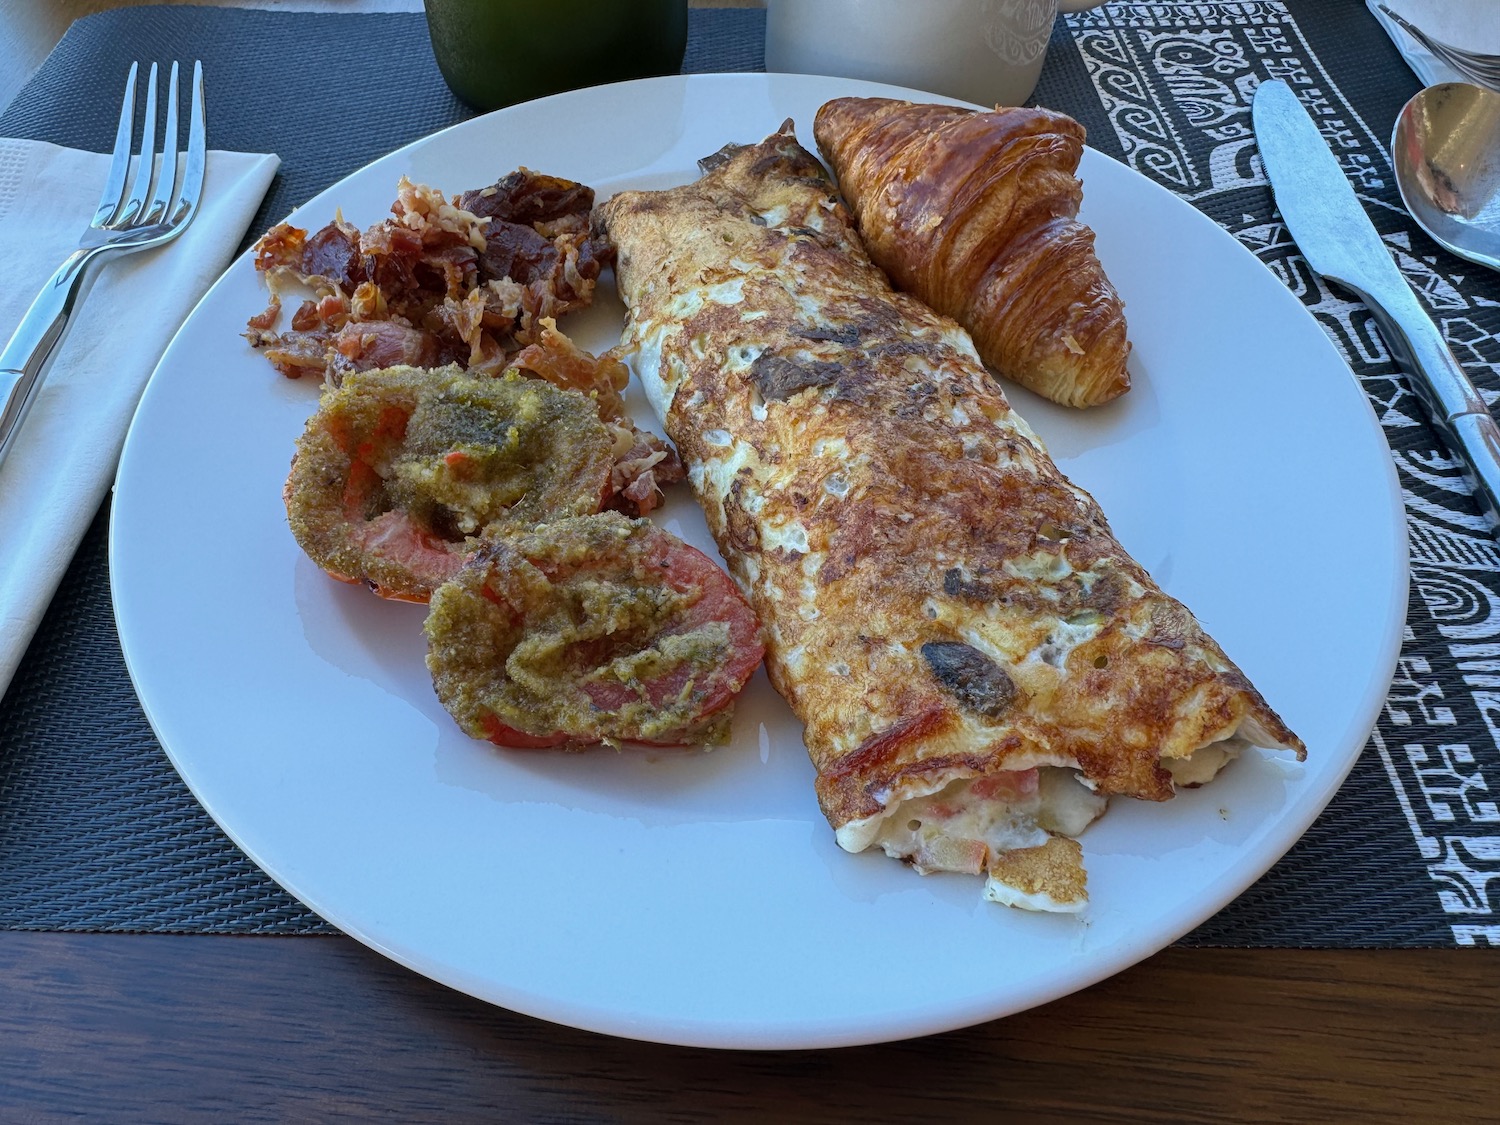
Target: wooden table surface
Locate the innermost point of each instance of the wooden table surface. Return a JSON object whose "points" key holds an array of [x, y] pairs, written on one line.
{"points": [[165, 1028]]}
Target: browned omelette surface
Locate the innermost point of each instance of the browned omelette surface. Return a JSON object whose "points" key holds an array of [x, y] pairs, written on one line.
{"points": [[941, 605]]}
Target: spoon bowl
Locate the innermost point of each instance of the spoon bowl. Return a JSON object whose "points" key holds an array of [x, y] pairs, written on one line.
{"points": [[1446, 152]]}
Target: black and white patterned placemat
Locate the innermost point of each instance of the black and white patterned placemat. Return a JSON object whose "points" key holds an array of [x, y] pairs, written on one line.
{"points": [[1175, 84], [98, 833]]}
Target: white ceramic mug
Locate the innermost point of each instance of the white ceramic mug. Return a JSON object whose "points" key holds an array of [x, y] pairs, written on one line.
{"points": [[984, 51]]}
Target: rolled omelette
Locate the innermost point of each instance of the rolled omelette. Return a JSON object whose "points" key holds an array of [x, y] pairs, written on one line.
{"points": [[977, 663]]}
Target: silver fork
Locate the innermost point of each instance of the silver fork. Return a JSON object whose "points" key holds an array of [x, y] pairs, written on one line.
{"points": [[1478, 67], [154, 210]]}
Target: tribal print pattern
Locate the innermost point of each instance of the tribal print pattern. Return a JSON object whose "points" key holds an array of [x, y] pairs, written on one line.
{"points": [[1176, 83]]}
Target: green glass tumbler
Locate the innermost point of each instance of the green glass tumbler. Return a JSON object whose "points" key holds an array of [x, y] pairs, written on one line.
{"points": [[498, 52]]}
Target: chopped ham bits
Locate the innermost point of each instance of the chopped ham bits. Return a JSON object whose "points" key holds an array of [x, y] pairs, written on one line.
{"points": [[468, 281], [475, 282]]}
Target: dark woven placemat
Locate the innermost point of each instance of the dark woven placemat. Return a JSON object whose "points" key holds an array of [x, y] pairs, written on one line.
{"points": [[97, 832]]}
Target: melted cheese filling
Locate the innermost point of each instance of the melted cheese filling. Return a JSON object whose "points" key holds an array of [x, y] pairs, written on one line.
{"points": [[958, 827], [1205, 762]]}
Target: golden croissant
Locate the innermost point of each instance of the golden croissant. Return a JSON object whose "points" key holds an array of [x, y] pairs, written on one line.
{"points": [[976, 214]]}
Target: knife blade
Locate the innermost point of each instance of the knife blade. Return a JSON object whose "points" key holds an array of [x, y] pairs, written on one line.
{"points": [[1335, 235]]}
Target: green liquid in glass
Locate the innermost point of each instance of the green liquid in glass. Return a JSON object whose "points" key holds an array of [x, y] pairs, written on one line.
{"points": [[497, 52]]}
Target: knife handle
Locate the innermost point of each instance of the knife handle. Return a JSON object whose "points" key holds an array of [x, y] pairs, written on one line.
{"points": [[1479, 437], [1452, 401]]}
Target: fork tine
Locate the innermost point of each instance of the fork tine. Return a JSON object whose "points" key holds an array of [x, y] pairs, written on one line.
{"points": [[119, 165], [166, 176], [145, 166], [1474, 72], [1484, 64], [197, 153], [1479, 68], [1410, 28]]}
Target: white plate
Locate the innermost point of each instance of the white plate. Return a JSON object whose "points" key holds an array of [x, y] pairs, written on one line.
{"points": [[700, 899]]}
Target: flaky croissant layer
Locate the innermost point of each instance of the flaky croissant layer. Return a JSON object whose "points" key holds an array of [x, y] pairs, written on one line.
{"points": [[976, 214]]}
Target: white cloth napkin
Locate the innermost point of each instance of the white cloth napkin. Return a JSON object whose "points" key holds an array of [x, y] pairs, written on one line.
{"points": [[1471, 24], [64, 458]]}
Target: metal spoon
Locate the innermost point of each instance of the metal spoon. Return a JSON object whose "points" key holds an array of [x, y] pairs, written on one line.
{"points": [[1446, 150]]}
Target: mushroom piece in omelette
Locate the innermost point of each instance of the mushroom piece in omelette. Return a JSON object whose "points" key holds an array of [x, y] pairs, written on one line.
{"points": [[977, 662]]}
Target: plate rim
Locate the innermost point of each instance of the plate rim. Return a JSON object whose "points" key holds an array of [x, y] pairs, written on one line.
{"points": [[826, 1033]]}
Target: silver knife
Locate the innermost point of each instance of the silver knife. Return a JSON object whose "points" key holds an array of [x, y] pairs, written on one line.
{"points": [[1339, 241]]}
